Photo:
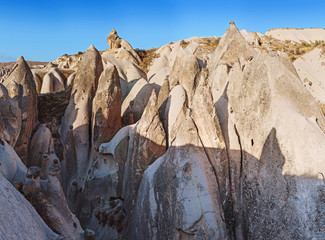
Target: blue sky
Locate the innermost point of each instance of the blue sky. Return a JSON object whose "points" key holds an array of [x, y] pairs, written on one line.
{"points": [[44, 30]]}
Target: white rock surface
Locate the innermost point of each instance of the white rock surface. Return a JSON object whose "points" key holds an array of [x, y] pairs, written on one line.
{"points": [[297, 35], [311, 70]]}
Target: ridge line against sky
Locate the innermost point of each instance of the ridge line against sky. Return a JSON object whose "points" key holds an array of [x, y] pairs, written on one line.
{"points": [[45, 30]]}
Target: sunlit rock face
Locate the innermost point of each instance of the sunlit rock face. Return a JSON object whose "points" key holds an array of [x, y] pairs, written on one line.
{"points": [[203, 138]]}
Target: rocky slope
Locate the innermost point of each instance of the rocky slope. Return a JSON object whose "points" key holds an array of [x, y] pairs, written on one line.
{"points": [[298, 34], [204, 138]]}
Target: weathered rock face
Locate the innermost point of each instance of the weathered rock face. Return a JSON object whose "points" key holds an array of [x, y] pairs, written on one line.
{"points": [[21, 74], [112, 39], [311, 70], [41, 150], [184, 72], [135, 102], [3, 73], [106, 116], [49, 201], [147, 143], [11, 116], [11, 167], [262, 106], [179, 189], [67, 62], [220, 146], [75, 127], [126, 66], [19, 219], [53, 81], [119, 168]]}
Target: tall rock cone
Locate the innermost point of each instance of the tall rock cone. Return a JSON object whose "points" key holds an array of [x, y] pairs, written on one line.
{"points": [[147, 143], [262, 107], [21, 74], [180, 189], [75, 127], [106, 116]]}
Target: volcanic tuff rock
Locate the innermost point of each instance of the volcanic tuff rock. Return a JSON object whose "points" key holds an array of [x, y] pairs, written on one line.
{"points": [[311, 70], [10, 116], [298, 34], [22, 75], [221, 139], [19, 219], [106, 109], [53, 81], [75, 125]]}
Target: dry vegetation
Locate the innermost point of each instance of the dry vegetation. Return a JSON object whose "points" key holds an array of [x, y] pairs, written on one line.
{"points": [[147, 57], [292, 49], [184, 44], [209, 43]]}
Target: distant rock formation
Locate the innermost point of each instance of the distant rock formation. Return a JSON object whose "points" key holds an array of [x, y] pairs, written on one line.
{"points": [[307, 35]]}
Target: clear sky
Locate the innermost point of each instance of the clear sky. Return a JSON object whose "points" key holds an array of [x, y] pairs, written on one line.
{"points": [[44, 30]]}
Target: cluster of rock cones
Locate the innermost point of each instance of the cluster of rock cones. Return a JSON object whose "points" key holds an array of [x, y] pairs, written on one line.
{"points": [[222, 144]]}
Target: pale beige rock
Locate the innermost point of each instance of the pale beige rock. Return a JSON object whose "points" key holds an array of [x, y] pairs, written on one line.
{"points": [[184, 72], [38, 81], [75, 127], [135, 102], [11, 167], [49, 201], [128, 70], [311, 70], [188, 206], [297, 34], [175, 111], [262, 107], [147, 143], [115, 42], [66, 62], [19, 220], [71, 79], [21, 74], [103, 188], [41, 150], [157, 80], [53, 81], [112, 39], [11, 116], [106, 109], [119, 168]]}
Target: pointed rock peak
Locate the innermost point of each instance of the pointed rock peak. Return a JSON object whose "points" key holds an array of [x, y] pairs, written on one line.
{"points": [[113, 39], [233, 28], [20, 59], [113, 34], [91, 47]]}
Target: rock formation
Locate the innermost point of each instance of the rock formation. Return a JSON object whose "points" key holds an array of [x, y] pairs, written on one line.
{"points": [[22, 75], [106, 116], [11, 116], [203, 138], [75, 126], [19, 219], [53, 81]]}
